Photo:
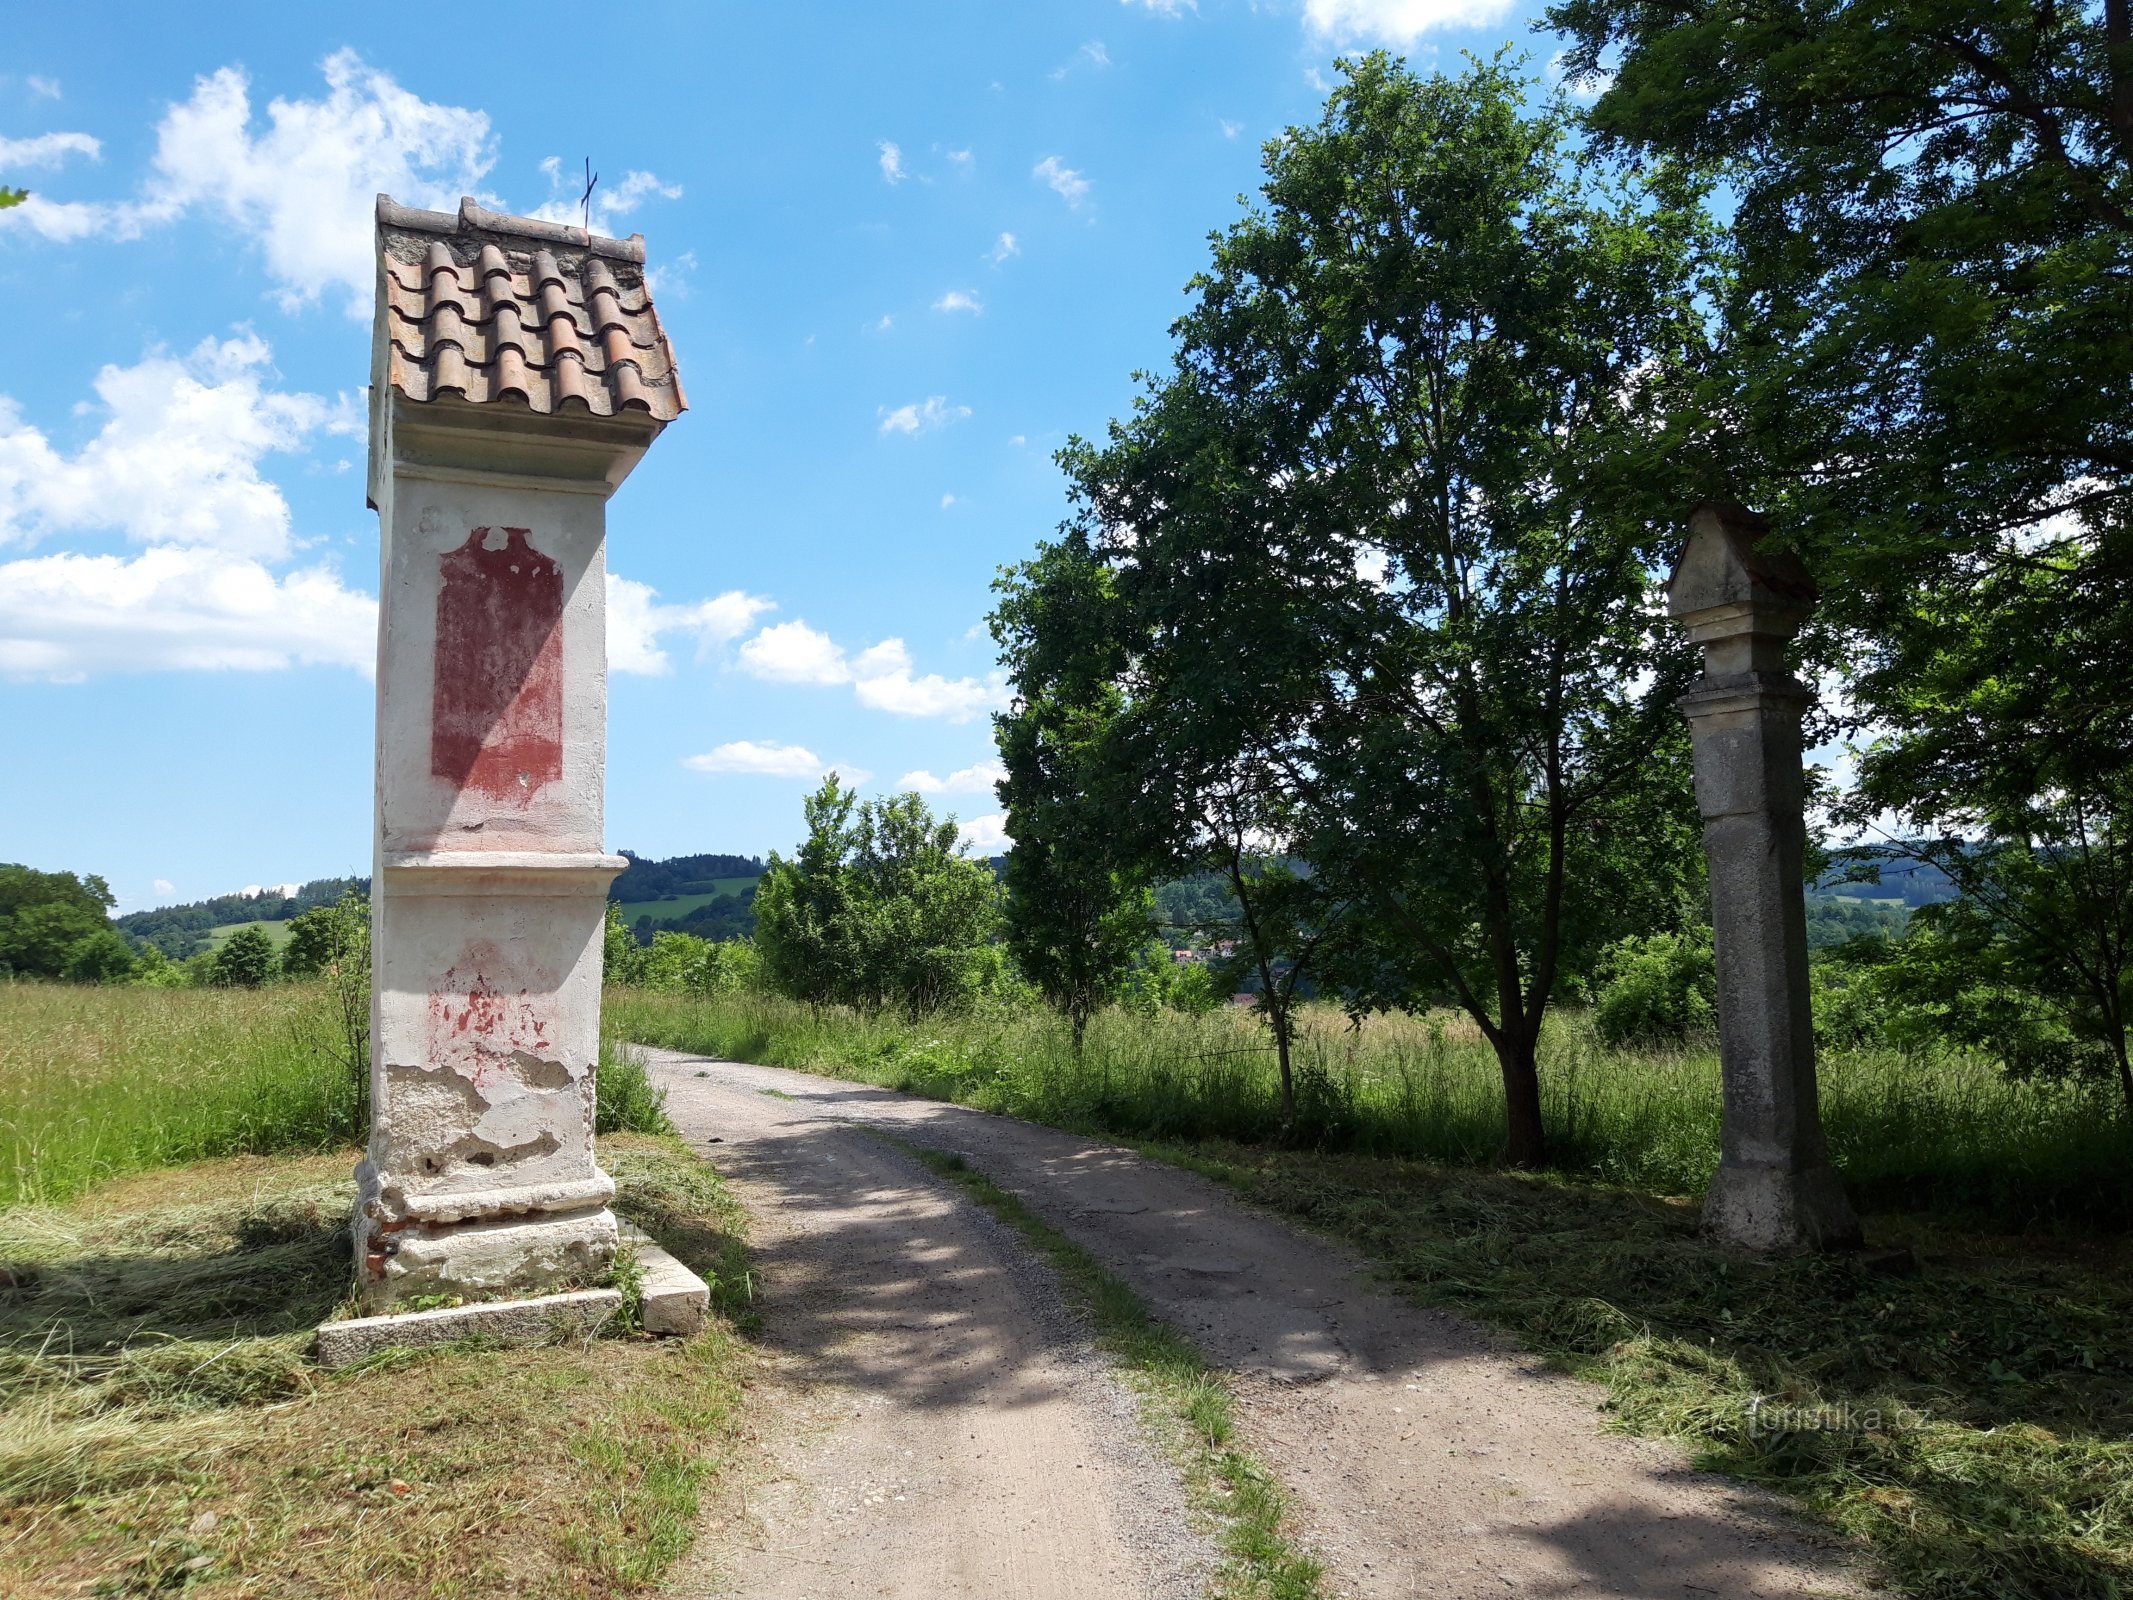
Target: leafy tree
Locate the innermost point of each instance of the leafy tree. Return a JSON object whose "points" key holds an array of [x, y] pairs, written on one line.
{"points": [[102, 957], [1384, 544], [1930, 337], [1077, 904], [44, 916], [880, 907], [12, 197], [245, 961]]}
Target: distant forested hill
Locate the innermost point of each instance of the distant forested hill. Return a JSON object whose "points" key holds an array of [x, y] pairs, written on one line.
{"points": [[679, 875], [710, 896], [181, 931]]}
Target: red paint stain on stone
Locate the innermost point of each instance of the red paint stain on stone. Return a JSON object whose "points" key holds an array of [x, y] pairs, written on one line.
{"points": [[496, 714], [488, 1007]]}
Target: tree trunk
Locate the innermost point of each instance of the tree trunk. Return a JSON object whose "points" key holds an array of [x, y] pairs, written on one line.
{"points": [[1528, 1144], [1080, 1017], [1280, 1020], [2125, 1069]]}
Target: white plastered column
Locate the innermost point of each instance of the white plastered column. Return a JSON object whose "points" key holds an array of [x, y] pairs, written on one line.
{"points": [[490, 881]]}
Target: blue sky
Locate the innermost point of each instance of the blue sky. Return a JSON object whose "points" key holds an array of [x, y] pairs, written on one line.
{"points": [[904, 252]]}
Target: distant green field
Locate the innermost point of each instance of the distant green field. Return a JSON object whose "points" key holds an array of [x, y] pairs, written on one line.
{"points": [[682, 904], [218, 937]]}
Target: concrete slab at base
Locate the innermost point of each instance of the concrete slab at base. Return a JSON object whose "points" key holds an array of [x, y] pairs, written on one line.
{"points": [[676, 1300], [540, 1321]]}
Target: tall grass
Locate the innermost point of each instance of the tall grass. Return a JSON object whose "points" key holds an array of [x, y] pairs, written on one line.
{"points": [[1949, 1133], [96, 1082]]}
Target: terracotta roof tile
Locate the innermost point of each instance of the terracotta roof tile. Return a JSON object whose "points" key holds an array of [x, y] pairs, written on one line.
{"points": [[515, 311]]}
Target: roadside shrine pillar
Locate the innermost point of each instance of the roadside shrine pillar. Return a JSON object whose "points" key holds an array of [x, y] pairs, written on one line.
{"points": [[1774, 1188], [518, 373]]}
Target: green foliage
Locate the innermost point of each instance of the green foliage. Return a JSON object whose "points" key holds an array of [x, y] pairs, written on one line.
{"points": [[621, 956], [101, 957], [1158, 981], [1077, 905], [625, 1100], [1928, 338], [1658, 988], [46, 917], [332, 943], [246, 961], [879, 908], [1382, 549]]}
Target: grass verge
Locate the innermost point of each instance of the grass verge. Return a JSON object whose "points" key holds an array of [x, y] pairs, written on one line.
{"points": [[1972, 1421], [161, 1426], [1947, 1133], [97, 1082], [1183, 1402]]}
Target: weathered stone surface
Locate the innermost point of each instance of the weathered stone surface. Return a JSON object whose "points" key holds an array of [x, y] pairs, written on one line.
{"points": [[546, 1320], [1774, 1188], [489, 889], [676, 1300]]}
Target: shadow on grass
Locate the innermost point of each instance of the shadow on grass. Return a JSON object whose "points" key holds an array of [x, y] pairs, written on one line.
{"points": [[1973, 1417]]}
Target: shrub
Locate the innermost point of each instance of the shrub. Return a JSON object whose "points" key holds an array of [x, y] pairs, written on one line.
{"points": [[103, 957], [1660, 988], [245, 962]]}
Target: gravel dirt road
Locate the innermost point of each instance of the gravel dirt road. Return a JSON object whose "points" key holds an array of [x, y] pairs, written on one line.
{"points": [[956, 1438]]}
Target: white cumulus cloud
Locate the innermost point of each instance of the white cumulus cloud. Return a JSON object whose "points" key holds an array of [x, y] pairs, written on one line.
{"points": [[792, 652], [770, 759], [978, 778], [46, 150], [67, 617], [1164, 8], [892, 163], [1003, 249], [174, 465], [302, 183], [882, 676], [610, 201], [1395, 22], [1068, 184], [960, 300], [636, 619], [177, 459], [985, 835], [922, 416]]}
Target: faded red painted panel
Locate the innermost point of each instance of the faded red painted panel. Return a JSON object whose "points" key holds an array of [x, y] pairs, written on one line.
{"points": [[496, 714]]}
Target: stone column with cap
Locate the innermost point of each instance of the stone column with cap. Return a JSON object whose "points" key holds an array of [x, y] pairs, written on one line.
{"points": [[518, 374], [1774, 1188]]}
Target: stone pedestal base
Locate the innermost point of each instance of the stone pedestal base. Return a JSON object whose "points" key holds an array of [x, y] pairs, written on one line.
{"points": [[1772, 1209], [500, 1243]]}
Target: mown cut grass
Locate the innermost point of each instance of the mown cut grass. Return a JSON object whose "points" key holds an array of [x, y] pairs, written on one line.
{"points": [[1183, 1402], [161, 1425], [1952, 1135], [1973, 1422], [96, 1082]]}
